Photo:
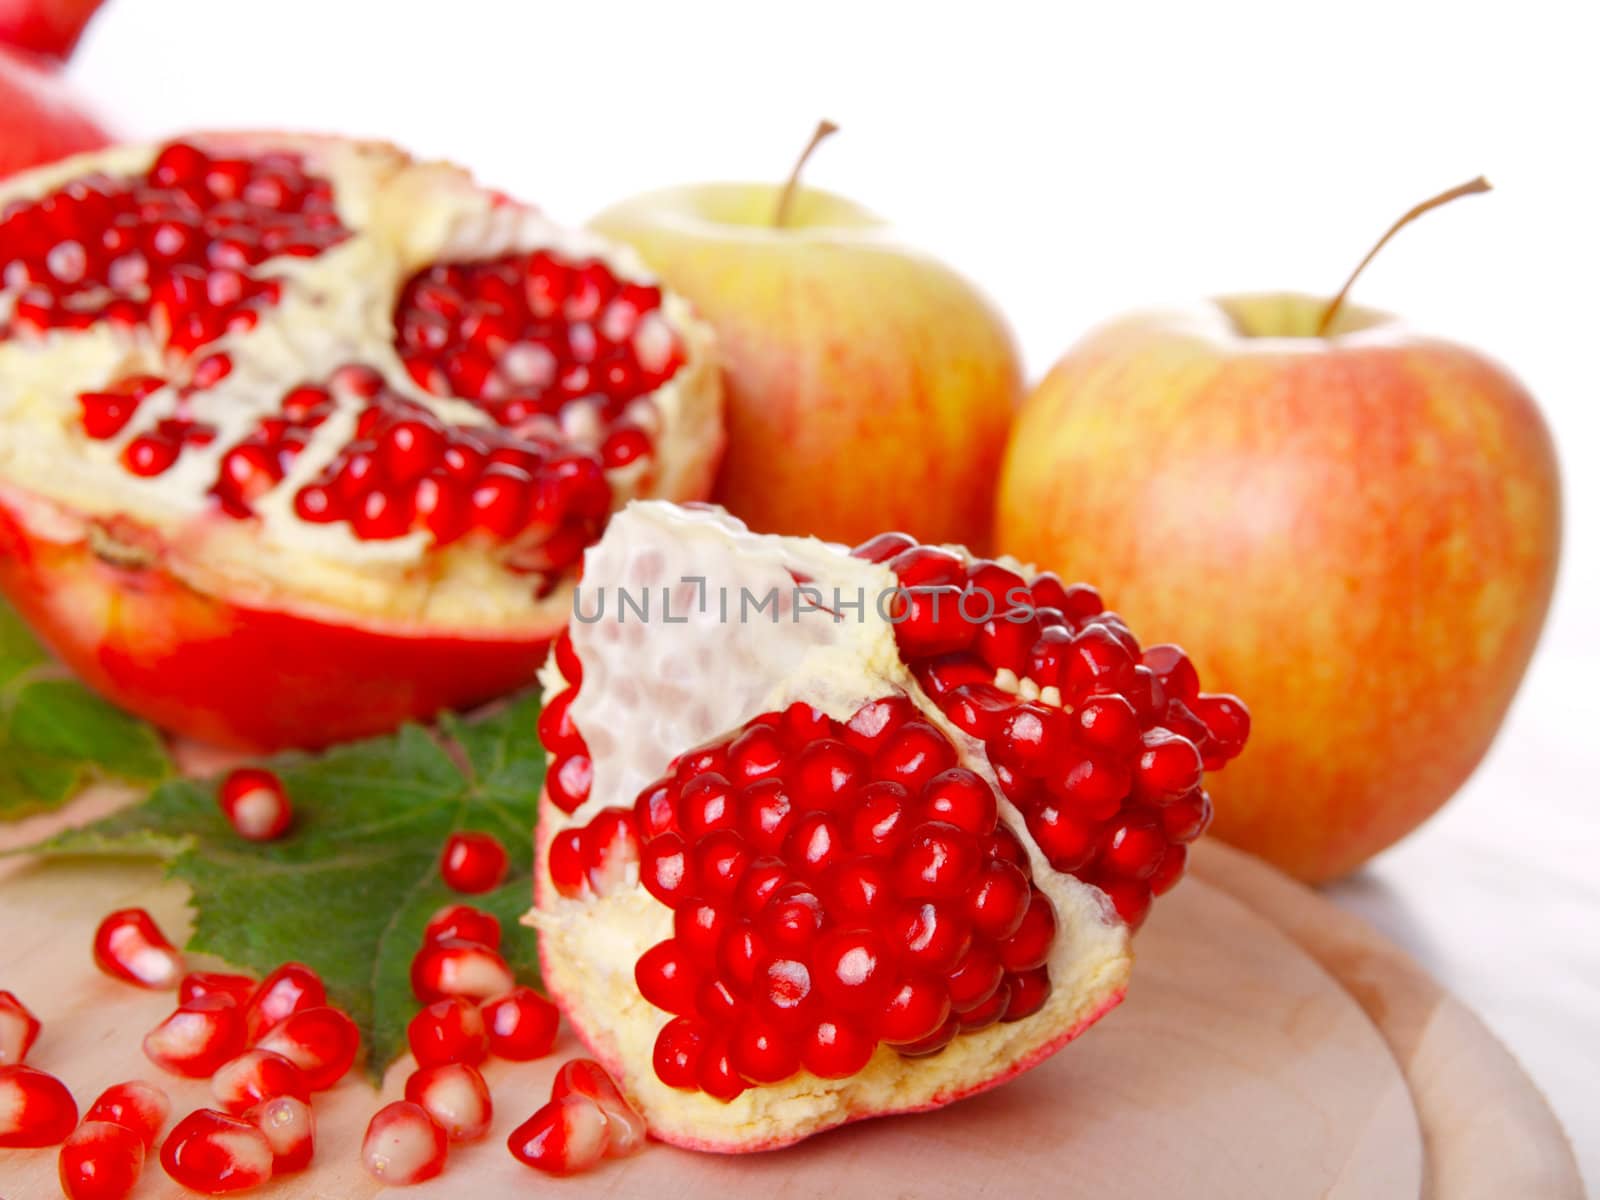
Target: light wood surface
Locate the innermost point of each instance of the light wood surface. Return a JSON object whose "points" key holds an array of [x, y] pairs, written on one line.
{"points": [[1239, 1067]]}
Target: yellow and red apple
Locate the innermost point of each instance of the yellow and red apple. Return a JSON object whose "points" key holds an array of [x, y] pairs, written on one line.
{"points": [[1355, 532], [869, 387]]}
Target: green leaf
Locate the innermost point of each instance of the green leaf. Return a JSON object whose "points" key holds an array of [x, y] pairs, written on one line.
{"points": [[349, 890], [56, 735]]}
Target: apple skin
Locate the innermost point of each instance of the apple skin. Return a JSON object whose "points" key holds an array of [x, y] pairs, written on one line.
{"points": [[869, 387], [1358, 535]]}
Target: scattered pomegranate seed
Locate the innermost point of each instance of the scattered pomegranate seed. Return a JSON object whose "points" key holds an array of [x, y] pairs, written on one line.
{"points": [[290, 1129], [255, 804], [521, 1025], [19, 1028], [404, 1145], [292, 988], [35, 1109], [322, 1042], [463, 923], [473, 863], [455, 968], [136, 1105], [238, 988], [256, 1076], [625, 1128], [564, 1137], [455, 1096], [101, 1161], [213, 1153], [129, 946], [448, 1031], [198, 1038]]}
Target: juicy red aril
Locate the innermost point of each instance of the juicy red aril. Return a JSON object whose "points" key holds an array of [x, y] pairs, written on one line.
{"points": [[322, 1042], [198, 1038], [625, 1128], [136, 1105], [521, 1025], [100, 1161], [292, 988], [464, 923], [290, 1129], [564, 1137], [238, 988], [19, 1028], [129, 946], [256, 1076], [456, 968], [213, 1153], [473, 863], [819, 874], [255, 804], [1168, 765], [448, 1031], [403, 1145], [35, 1109], [455, 1096]]}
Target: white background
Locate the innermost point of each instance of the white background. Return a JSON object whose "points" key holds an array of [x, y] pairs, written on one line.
{"points": [[1078, 160]]}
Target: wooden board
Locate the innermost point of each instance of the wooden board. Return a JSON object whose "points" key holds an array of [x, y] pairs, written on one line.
{"points": [[1239, 1067]]}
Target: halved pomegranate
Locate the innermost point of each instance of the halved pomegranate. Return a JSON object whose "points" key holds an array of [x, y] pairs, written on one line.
{"points": [[830, 835], [300, 437]]}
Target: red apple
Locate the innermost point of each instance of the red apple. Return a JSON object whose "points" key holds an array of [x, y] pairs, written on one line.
{"points": [[1355, 532], [869, 387]]}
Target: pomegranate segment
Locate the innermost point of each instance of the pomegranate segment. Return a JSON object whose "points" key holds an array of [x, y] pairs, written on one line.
{"points": [[321, 1042], [255, 804], [314, 379], [290, 1129], [404, 1145], [840, 835]]}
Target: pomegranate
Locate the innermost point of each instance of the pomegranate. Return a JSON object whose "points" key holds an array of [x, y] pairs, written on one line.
{"points": [[830, 835], [48, 28], [40, 119], [300, 437]]}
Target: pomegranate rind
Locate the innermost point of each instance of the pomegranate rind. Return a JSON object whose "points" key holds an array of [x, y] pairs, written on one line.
{"points": [[272, 632], [588, 946]]}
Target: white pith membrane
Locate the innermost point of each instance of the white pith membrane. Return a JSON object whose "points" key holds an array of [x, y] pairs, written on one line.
{"points": [[653, 689], [336, 308]]}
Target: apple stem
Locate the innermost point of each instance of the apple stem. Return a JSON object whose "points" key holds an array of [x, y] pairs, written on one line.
{"points": [[780, 218], [1472, 187]]}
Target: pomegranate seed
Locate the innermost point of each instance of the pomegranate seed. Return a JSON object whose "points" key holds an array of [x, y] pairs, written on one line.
{"points": [[448, 1031], [564, 1137], [464, 923], [213, 1153], [913, 1012], [404, 1145], [610, 850], [198, 1038], [1030, 945], [1168, 765], [290, 1129], [568, 870], [832, 1050], [522, 1025], [100, 1161], [136, 1105], [455, 968], [238, 988], [255, 804], [1169, 870], [914, 754], [322, 1042], [292, 988], [35, 1109], [19, 1028], [473, 863], [961, 798], [256, 1076], [129, 946], [625, 1128], [1176, 673], [455, 1096], [1228, 722], [668, 978]]}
